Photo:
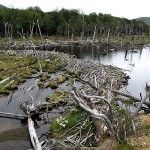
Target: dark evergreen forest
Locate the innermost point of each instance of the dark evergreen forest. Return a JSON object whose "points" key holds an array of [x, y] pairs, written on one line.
{"points": [[67, 23]]}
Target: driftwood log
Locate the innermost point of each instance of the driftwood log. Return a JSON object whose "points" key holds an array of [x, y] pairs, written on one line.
{"points": [[12, 115], [33, 136], [8, 78]]}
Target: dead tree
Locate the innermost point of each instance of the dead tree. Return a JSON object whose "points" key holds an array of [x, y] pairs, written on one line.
{"points": [[93, 112], [94, 36], [37, 56], [8, 78], [108, 36], [8, 33], [31, 29], [39, 29]]}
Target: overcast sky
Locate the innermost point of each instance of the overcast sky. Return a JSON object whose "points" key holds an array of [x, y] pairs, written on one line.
{"points": [[121, 8]]}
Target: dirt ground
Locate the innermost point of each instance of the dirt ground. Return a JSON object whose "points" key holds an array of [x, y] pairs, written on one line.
{"points": [[15, 145]]}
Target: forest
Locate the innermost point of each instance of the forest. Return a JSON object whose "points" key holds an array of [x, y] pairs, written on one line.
{"points": [[67, 23]]}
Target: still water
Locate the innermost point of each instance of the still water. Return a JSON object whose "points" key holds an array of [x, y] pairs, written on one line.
{"points": [[137, 62], [11, 104]]}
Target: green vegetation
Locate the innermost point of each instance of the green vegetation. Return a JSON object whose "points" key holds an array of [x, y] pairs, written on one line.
{"points": [[10, 65], [61, 79], [58, 97], [53, 84], [41, 84], [48, 107], [74, 119], [144, 19], [44, 77], [141, 141], [122, 117], [52, 64], [23, 67], [125, 147], [56, 23]]}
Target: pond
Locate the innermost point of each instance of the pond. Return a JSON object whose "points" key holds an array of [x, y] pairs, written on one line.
{"points": [[136, 61], [11, 103]]}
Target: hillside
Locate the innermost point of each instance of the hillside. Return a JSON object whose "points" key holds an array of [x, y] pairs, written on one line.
{"points": [[2, 6], [145, 19]]}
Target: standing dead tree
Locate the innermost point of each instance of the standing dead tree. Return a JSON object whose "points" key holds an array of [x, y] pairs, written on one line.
{"points": [[39, 29], [37, 56], [8, 33], [31, 29], [32, 26], [94, 36]]}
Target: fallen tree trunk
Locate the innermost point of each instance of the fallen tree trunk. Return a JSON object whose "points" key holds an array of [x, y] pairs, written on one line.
{"points": [[8, 84], [100, 98], [12, 115], [135, 99], [140, 104], [29, 89], [93, 112], [6, 79], [33, 136]]}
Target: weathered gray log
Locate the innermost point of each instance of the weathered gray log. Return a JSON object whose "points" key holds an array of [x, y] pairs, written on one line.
{"points": [[33, 136], [135, 99], [93, 112], [12, 115], [140, 104], [85, 82], [29, 89], [9, 83], [6, 79], [100, 98]]}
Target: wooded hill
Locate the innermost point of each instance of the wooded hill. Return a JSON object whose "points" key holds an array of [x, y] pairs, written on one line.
{"points": [[144, 19], [2, 6], [66, 23]]}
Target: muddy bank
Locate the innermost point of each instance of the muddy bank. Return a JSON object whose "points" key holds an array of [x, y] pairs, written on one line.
{"points": [[14, 145], [15, 139]]}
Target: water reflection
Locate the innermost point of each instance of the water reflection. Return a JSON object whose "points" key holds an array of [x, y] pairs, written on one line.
{"points": [[137, 61]]}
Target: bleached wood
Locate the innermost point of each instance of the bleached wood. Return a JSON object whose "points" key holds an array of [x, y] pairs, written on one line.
{"points": [[135, 99], [39, 29], [9, 83], [93, 112], [100, 98], [6, 79], [33, 136]]}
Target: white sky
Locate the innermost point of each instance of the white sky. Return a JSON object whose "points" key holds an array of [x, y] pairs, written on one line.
{"points": [[121, 8]]}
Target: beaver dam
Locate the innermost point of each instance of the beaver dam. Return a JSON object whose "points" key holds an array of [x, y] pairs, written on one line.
{"points": [[67, 103]]}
